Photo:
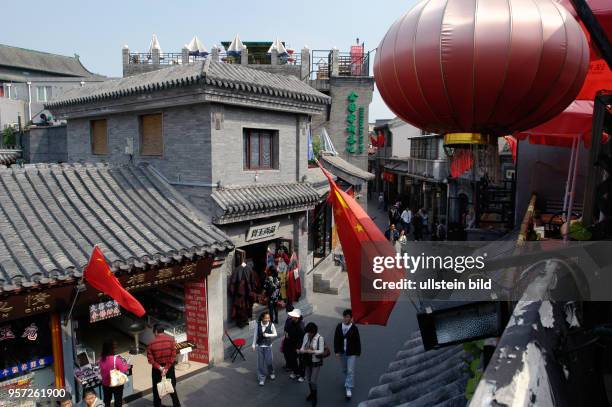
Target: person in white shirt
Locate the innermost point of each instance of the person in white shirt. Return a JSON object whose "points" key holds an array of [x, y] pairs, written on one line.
{"points": [[262, 342], [406, 220], [312, 350]]}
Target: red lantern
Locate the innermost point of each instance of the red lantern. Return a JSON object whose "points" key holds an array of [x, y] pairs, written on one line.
{"points": [[491, 67]]}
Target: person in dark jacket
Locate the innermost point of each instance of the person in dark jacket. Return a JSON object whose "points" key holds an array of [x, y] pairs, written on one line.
{"points": [[294, 336], [347, 346]]}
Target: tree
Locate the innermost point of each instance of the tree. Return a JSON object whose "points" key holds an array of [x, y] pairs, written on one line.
{"points": [[9, 137]]}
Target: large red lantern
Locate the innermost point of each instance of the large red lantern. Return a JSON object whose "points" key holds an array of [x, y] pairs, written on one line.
{"points": [[481, 68]]}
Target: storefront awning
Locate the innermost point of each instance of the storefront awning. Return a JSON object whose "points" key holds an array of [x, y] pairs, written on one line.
{"points": [[51, 216], [575, 121], [241, 203], [345, 170], [8, 157]]}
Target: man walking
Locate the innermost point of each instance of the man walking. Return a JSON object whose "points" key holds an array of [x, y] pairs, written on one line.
{"points": [[347, 346], [161, 354], [406, 220]]}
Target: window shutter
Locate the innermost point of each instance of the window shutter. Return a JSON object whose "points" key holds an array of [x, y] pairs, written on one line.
{"points": [[151, 135], [99, 137]]}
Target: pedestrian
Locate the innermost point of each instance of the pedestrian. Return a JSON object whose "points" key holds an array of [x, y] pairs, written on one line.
{"points": [[294, 335], [381, 201], [425, 220], [392, 234], [90, 399], [347, 346], [265, 331], [109, 360], [394, 214], [161, 354], [272, 289], [313, 347], [417, 223], [406, 219], [65, 400]]}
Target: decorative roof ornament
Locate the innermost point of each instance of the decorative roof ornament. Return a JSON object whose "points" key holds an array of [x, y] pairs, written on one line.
{"points": [[279, 47]]}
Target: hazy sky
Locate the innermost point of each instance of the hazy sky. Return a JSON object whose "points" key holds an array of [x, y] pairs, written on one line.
{"points": [[97, 30]]}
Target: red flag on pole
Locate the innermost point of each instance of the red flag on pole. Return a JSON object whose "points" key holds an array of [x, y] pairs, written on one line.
{"points": [[99, 275], [361, 241]]}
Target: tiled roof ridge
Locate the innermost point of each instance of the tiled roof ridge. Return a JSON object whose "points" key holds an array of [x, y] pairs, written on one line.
{"points": [[54, 214], [214, 73]]}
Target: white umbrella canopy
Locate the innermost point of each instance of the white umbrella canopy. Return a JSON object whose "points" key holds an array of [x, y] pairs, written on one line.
{"points": [[279, 47], [154, 44], [236, 46], [196, 47]]}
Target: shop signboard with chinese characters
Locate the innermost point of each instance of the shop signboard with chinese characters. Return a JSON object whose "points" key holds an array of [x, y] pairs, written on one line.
{"points": [[196, 319], [355, 118], [35, 302], [26, 367], [262, 231], [104, 310]]}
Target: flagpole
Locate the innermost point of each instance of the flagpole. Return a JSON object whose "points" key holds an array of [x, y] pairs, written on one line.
{"points": [[79, 287]]}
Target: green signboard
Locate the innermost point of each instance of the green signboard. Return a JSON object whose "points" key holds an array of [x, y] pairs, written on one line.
{"points": [[355, 121]]}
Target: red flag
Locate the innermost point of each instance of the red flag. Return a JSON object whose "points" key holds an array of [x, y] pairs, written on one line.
{"points": [[361, 241], [99, 275]]}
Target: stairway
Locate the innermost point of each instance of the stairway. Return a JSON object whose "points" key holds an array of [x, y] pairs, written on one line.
{"points": [[328, 278]]}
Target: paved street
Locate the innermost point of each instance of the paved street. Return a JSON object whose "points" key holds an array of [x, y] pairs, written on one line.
{"points": [[236, 384]]}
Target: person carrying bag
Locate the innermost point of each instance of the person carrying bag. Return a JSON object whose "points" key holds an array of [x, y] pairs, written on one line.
{"points": [[112, 370]]}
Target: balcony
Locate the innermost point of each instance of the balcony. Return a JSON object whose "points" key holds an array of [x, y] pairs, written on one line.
{"points": [[430, 170]]}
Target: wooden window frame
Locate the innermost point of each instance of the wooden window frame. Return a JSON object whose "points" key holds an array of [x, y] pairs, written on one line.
{"points": [[91, 136], [141, 135], [246, 149]]}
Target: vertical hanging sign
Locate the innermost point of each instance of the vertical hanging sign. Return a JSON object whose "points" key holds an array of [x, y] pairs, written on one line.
{"points": [[360, 129], [351, 128]]}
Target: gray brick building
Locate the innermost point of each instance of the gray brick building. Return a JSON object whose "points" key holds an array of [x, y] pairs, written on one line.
{"points": [[232, 140]]}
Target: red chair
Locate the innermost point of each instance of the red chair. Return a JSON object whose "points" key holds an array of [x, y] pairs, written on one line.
{"points": [[238, 344]]}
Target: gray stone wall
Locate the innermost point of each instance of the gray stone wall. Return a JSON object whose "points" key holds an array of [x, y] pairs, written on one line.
{"points": [[289, 70], [186, 132], [45, 145], [228, 123]]}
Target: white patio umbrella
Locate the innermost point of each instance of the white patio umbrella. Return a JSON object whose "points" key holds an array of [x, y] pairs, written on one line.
{"points": [[154, 44], [196, 47], [236, 47], [279, 47]]}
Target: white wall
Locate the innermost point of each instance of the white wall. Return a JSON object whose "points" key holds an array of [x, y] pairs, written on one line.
{"points": [[402, 133]]}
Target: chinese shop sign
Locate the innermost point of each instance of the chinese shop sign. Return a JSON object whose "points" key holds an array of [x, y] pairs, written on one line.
{"points": [[262, 231], [104, 310], [355, 121], [27, 366], [196, 319]]}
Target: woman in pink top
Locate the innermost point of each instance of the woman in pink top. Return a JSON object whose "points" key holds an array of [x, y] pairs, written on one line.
{"points": [[108, 362]]}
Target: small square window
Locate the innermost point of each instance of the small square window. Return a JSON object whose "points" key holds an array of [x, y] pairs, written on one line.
{"points": [[260, 149]]}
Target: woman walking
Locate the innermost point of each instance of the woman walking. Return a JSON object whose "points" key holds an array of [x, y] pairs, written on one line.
{"points": [[294, 337], [262, 342], [313, 347], [110, 361]]}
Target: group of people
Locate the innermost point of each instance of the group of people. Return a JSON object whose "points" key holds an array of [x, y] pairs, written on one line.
{"points": [[278, 283], [304, 350], [161, 354], [404, 221]]}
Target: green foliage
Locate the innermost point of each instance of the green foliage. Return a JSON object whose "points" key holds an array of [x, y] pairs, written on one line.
{"points": [[9, 137], [316, 148], [475, 350]]}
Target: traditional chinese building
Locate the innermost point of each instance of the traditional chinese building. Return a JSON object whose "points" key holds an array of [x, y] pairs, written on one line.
{"points": [[160, 247]]}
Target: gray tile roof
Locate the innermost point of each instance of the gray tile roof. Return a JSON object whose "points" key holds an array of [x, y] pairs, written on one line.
{"points": [[8, 157], [52, 215], [422, 379], [239, 201], [42, 61], [336, 162], [318, 180], [205, 73]]}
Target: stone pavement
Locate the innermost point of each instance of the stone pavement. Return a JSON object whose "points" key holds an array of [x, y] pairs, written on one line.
{"points": [[235, 384]]}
